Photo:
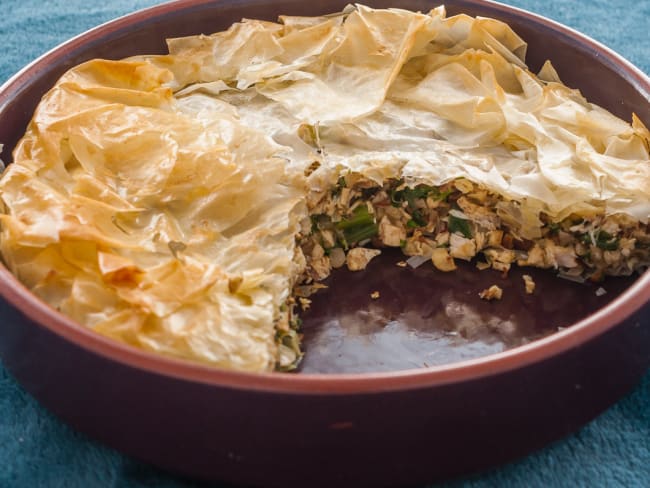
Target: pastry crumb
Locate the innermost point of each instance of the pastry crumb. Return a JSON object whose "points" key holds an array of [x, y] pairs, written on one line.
{"points": [[304, 303], [401, 264], [374, 295], [493, 293], [529, 284]]}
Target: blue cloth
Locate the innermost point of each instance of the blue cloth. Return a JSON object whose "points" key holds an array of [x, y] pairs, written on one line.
{"points": [[36, 450]]}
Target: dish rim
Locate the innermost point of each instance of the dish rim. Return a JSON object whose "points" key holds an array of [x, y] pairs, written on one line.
{"points": [[578, 333]]}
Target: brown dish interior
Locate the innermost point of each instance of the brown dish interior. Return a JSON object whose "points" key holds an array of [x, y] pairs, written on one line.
{"points": [[424, 317]]}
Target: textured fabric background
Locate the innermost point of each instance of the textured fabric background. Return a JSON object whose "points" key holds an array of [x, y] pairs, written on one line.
{"points": [[36, 450]]}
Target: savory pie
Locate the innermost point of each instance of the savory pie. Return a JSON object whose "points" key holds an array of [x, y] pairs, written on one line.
{"points": [[188, 203]]}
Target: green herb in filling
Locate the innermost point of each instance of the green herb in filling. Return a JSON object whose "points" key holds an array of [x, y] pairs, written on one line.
{"points": [[412, 224], [601, 239], [459, 226], [553, 228], [436, 194], [606, 241], [411, 195], [359, 226]]}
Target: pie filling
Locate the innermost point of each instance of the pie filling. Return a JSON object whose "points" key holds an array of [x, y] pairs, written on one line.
{"points": [[350, 223]]}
